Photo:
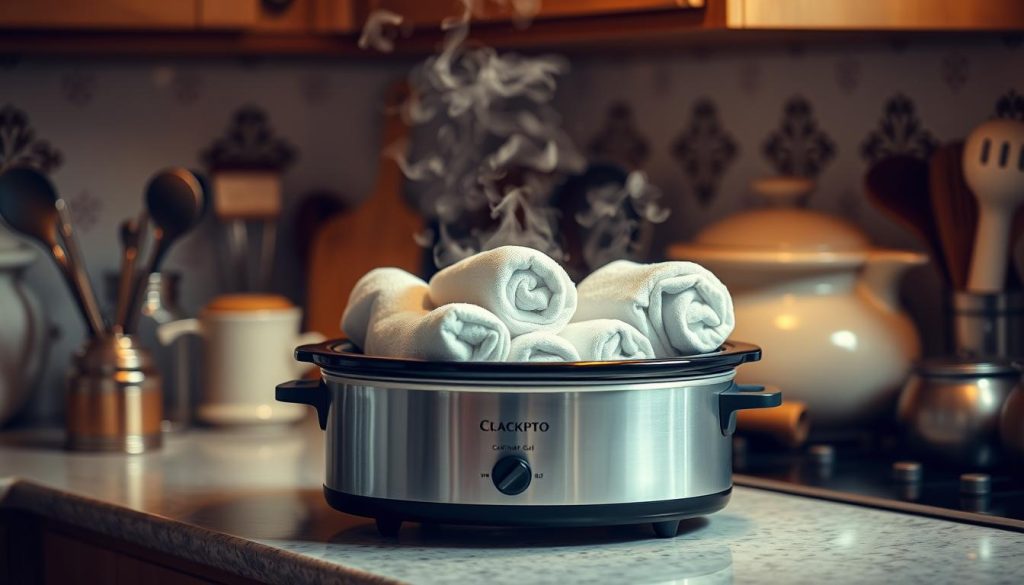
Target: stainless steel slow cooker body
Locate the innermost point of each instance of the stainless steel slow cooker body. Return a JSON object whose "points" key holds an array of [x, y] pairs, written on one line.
{"points": [[596, 443]]}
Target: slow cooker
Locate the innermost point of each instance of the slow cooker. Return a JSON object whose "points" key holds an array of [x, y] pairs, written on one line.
{"points": [[513, 444]]}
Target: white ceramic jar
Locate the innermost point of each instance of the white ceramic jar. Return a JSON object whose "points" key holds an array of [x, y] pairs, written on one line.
{"points": [[249, 342], [22, 329], [821, 302]]}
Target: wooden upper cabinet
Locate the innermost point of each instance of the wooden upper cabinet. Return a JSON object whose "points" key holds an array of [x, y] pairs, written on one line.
{"points": [[429, 13], [917, 15], [263, 16], [98, 14]]}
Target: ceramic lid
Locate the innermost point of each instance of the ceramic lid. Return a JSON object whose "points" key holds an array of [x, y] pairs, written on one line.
{"points": [[248, 302], [780, 225], [779, 230]]}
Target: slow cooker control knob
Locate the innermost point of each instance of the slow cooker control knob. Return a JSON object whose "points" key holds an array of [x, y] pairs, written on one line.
{"points": [[511, 475]]}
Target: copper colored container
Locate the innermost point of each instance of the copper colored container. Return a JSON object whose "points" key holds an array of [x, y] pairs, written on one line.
{"points": [[114, 400]]}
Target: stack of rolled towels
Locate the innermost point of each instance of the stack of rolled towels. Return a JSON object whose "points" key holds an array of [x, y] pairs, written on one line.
{"points": [[517, 304]]}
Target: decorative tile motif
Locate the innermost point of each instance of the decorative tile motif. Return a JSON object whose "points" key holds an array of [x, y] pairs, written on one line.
{"points": [[899, 132], [661, 78], [848, 74], [249, 143], [315, 88], [187, 88], [749, 74], [86, 209], [955, 68], [701, 53], [899, 45], [1010, 105], [850, 204], [799, 147], [704, 151], [19, 146], [619, 142], [78, 87]]}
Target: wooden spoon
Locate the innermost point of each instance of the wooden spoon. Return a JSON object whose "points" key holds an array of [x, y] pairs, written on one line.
{"points": [[955, 211], [898, 185]]}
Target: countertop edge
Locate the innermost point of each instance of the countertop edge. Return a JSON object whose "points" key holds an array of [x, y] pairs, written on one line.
{"points": [[241, 556]]}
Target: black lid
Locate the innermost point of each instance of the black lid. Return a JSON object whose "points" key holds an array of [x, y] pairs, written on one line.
{"points": [[341, 357]]}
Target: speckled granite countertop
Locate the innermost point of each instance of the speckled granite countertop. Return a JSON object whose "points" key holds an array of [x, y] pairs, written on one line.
{"points": [[251, 503]]}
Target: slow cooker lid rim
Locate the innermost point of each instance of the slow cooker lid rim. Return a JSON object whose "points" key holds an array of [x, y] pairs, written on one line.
{"points": [[343, 361]]}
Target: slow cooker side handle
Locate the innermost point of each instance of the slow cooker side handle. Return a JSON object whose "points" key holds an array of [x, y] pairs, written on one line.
{"points": [[741, 397], [311, 392]]}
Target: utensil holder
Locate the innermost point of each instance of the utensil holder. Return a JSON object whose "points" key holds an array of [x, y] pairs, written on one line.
{"points": [[988, 324], [159, 306], [114, 400]]}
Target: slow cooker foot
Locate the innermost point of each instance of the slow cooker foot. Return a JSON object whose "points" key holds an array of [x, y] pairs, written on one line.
{"points": [[388, 526], [666, 529]]}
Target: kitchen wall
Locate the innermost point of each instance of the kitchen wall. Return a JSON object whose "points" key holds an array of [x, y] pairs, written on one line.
{"points": [[703, 123]]}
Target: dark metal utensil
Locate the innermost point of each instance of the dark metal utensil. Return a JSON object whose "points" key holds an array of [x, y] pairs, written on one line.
{"points": [[175, 200], [30, 205], [131, 234]]}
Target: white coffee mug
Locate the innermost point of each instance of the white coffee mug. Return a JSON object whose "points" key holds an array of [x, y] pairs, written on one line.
{"points": [[249, 343]]}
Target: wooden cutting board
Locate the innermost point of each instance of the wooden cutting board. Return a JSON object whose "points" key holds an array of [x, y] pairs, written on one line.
{"points": [[378, 232]]}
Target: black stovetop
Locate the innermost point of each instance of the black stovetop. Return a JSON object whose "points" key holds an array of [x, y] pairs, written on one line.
{"points": [[863, 474]]}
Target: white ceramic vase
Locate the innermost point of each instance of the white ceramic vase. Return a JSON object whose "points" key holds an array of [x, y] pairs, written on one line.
{"points": [[22, 329], [821, 302]]}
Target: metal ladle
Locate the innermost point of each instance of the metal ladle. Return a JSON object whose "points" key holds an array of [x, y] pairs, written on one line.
{"points": [[30, 205], [175, 200]]}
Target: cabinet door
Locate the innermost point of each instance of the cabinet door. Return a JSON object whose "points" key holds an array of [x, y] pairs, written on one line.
{"points": [[876, 14], [425, 13], [98, 14], [336, 16]]}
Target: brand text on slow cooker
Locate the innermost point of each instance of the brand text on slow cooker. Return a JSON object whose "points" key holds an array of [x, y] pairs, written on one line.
{"points": [[513, 426]]}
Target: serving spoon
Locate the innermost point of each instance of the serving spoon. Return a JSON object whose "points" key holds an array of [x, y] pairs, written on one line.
{"points": [[30, 205], [175, 200]]}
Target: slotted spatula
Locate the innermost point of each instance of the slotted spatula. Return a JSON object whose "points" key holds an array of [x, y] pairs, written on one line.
{"points": [[993, 163]]}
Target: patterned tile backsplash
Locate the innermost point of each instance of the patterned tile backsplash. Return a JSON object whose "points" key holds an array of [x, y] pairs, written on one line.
{"points": [[701, 123]]}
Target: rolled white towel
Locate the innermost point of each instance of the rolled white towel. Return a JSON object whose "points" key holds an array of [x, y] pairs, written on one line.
{"points": [[525, 288], [607, 339], [680, 306], [389, 314], [542, 346]]}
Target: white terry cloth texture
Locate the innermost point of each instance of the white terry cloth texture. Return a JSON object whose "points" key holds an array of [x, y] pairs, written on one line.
{"points": [[601, 340], [542, 346], [681, 307], [524, 287], [389, 314]]}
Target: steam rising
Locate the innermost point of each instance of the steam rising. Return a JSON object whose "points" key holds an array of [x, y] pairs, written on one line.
{"points": [[614, 218], [499, 150], [375, 31]]}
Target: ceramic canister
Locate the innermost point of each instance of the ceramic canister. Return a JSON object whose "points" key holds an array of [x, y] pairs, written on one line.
{"points": [[248, 341]]}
